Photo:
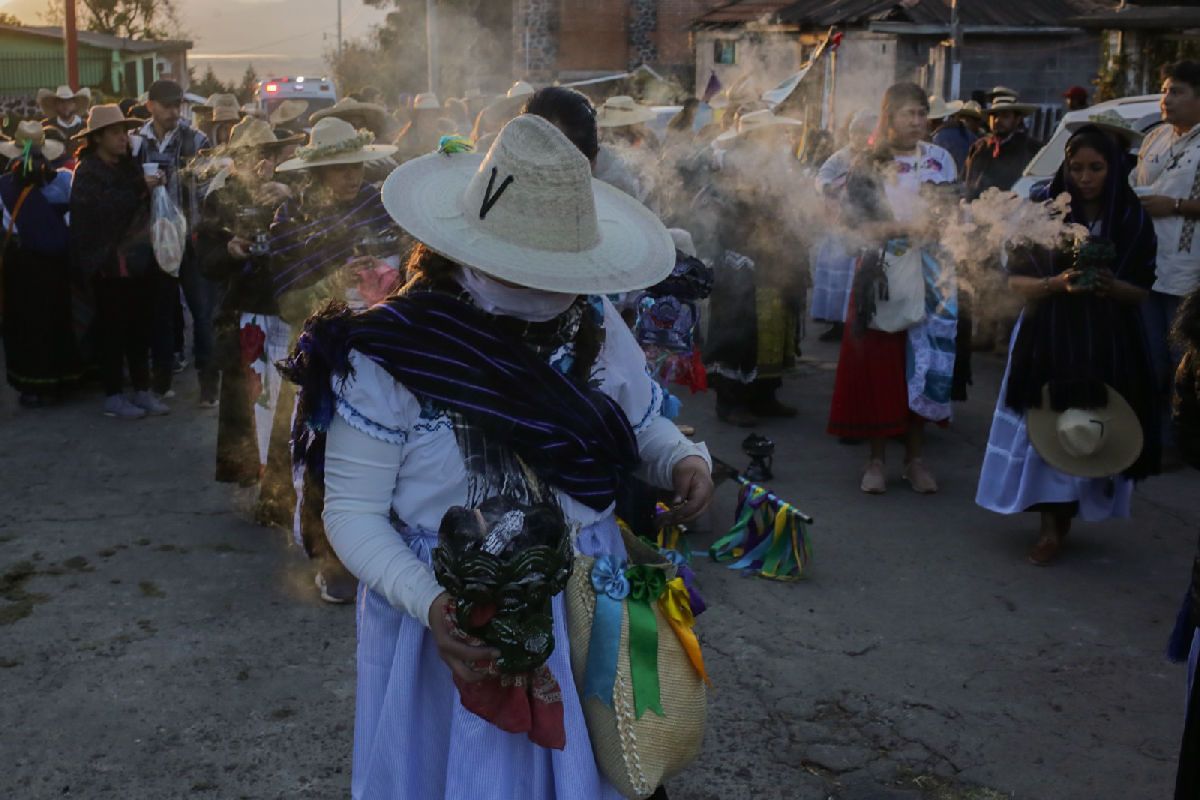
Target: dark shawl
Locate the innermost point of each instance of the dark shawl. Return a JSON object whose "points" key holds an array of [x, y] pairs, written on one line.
{"points": [[110, 214], [1076, 343], [453, 356]]}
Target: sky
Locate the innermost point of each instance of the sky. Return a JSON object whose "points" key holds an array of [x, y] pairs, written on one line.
{"points": [[280, 37]]}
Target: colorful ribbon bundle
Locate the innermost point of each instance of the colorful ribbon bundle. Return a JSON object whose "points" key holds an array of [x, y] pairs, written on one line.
{"points": [[637, 588], [671, 537], [769, 537]]}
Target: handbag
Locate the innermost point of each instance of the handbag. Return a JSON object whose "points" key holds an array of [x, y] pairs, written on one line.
{"points": [[637, 666], [901, 301]]}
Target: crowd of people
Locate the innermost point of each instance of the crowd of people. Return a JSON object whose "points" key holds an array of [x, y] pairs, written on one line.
{"points": [[369, 319]]}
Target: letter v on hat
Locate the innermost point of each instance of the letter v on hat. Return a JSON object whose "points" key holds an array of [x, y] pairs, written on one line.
{"points": [[548, 203]]}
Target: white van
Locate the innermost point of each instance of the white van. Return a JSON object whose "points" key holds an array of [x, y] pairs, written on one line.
{"points": [[318, 92], [1142, 113]]}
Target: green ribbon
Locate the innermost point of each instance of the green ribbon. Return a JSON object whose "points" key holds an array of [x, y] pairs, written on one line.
{"points": [[646, 585]]}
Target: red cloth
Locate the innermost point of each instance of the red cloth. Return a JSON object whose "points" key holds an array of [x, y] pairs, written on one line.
{"points": [[528, 702], [870, 393]]}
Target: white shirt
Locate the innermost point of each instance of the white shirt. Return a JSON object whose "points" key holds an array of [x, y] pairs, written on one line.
{"points": [[1169, 165], [930, 164]]}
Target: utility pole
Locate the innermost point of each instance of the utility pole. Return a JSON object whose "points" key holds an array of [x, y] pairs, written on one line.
{"points": [[71, 45], [956, 41], [431, 38], [339, 50]]}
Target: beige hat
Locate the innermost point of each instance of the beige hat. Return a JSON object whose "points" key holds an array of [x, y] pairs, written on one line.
{"points": [[971, 109], [335, 141], [30, 131], [224, 107], [255, 132], [1006, 103], [1002, 91], [46, 98], [287, 111], [251, 110], [617, 112], [755, 121], [1088, 443], [529, 212], [426, 101], [104, 116], [1110, 122], [520, 89], [351, 110], [940, 109]]}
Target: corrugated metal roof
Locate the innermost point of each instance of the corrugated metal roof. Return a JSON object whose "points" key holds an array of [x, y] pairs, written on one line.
{"points": [[739, 12], [824, 13], [103, 41]]}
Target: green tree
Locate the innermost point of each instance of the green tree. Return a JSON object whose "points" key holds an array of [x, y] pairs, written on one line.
{"points": [[9, 19], [245, 92], [132, 19], [209, 84]]}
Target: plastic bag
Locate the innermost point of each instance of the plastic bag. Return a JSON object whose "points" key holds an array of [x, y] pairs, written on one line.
{"points": [[168, 232]]}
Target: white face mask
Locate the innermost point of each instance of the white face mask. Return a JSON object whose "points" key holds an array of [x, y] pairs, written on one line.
{"points": [[531, 305]]}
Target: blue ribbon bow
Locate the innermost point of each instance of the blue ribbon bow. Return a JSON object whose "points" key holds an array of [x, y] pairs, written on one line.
{"points": [[611, 587]]}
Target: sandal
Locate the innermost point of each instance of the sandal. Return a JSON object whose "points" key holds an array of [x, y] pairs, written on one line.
{"points": [[919, 477], [874, 480], [1047, 549]]}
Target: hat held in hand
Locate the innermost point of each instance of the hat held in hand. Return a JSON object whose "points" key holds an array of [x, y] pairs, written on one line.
{"points": [[1088, 443]]}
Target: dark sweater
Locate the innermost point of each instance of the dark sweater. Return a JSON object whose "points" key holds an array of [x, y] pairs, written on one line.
{"points": [[987, 168]]}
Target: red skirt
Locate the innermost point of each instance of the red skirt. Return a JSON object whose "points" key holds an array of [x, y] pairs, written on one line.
{"points": [[870, 393]]}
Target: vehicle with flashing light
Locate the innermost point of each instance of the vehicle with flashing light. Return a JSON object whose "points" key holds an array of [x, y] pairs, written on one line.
{"points": [[318, 92]]}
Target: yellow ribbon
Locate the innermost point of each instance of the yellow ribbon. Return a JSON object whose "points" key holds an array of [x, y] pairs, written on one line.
{"points": [[677, 608]]}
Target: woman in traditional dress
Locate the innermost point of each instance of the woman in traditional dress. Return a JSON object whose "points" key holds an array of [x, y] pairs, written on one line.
{"points": [[538, 383], [332, 241], [41, 356], [889, 384], [1079, 333]]}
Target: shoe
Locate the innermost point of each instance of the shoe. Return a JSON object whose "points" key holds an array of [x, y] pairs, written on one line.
{"points": [[210, 384], [146, 401], [919, 477], [774, 408], [740, 417], [336, 589], [1046, 550], [119, 407], [169, 394], [179, 363], [834, 334], [874, 479]]}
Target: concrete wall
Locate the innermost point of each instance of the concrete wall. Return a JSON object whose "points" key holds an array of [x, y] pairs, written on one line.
{"points": [[767, 57], [1040, 68]]}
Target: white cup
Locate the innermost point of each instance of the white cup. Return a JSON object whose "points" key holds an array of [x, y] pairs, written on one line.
{"points": [[150, 170]]}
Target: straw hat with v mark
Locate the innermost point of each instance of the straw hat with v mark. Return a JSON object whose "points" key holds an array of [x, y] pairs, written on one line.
{"points": [[530, 213]]}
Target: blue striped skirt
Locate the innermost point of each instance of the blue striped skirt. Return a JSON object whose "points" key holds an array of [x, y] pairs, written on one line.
{"points": [[833, 276], [412, 737]]}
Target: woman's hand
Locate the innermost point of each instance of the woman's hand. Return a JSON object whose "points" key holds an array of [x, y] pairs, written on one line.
{"points": [[237, 248], [458, 655], [154, 181], [1070, 280], [1103, 281], [692, 479]]}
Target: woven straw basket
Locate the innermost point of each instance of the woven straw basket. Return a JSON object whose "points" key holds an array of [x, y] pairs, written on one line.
{"points": [[637, 755]]}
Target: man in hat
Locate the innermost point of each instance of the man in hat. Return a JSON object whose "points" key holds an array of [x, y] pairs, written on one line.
{"points": [[62, 107], [998, 159], [169, 142]]}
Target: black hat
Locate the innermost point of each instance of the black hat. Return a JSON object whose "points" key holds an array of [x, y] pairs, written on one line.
{"points": [[168, 93]]}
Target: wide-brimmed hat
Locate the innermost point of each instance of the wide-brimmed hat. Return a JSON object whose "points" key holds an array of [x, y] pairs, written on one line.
{"points": [[520, 89], [31, 132], [47, 98], [253, 132], [530, 213], [1088, 443], [105, 116], [1006, 103], [287, 111], [622, 110], [970, 109], [350, 109], [426, 101], [335, 141], [756, 121], [940, 109], [224, 107], [1002, 91], [1110, 122]]}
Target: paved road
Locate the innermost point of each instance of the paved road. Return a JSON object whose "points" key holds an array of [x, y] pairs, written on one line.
{"points": [[156, 644]]}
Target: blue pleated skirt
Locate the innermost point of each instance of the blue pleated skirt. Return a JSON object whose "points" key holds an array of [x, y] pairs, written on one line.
{"points": [[833, 276], [412, 737]]}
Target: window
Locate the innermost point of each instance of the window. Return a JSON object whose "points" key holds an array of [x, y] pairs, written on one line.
{"points": [[725, 51]]}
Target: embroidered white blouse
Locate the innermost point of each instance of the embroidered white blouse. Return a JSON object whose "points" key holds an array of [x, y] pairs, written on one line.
{"points": [[385, 453]]}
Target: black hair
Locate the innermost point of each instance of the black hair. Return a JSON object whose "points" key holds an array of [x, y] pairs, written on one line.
{"points": [[126, 166], [1186, 71], [1185, 331], [1092, 138], [571, 112], [896, 96]]}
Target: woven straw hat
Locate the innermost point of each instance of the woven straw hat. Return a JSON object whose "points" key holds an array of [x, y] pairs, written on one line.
{"points": [[224, 107], [520, 89], [254, 132], [1006, 103], [1089, 443], [1110, 122], [104, 116], [940, 109], [756, 121], [529, 212], [971, 109], [619, 111], [287, 111], [335, 141], [46, 98], [31, 131]]}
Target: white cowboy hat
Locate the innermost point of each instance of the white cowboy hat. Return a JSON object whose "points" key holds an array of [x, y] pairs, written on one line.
{"points": [[287, 111], [104, 116], [426, 101], [1088, 443], [255, 132], [530, 213], [224, 107], [520, 89], [619, 111], [335, 141], [31, 131], [1111, 122], [46, 98], [1002, 91], [940, 109], [756, 121], [1006, 103], [970, 109]]}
